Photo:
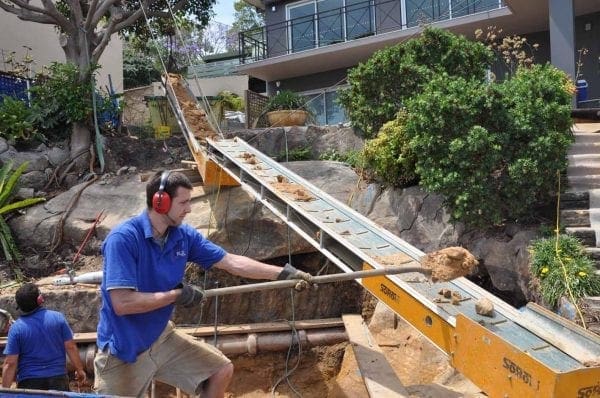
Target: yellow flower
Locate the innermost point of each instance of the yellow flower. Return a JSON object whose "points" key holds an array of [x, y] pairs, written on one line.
{"points": [[581, 273], [545, 270]]}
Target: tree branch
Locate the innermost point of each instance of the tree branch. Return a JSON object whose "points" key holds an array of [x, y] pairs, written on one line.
{"points": [[130, 20], [108, 31], [76, 12], [90, 13], [61, 21], [27, 15], [102, 9]]}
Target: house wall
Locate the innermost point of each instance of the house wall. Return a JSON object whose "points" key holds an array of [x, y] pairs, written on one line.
{"points": [[309, 82], [587, 35], [212, 86], [45, 49]]}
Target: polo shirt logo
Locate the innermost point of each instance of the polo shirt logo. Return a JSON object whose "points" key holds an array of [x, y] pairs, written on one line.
{"points": [[180, 253]]}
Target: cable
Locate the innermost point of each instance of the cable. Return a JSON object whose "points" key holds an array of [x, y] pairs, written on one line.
{"points": [[558, 256], [288, 372]]}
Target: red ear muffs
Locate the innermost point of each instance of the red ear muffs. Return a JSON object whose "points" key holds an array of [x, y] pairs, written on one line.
{"points": [[40, 300], [161, 201]]}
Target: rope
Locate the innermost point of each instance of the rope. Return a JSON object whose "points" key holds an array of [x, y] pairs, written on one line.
{"points": [[210, 114], [558, 256]]}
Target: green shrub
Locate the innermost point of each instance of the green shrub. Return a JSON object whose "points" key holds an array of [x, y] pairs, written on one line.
{"points": [[548, 267], [59, 99], [302, 153], [351, 158], [388, 155], [8, 183], [286, 100], [379, 87], [492, 150], [16, 121]]}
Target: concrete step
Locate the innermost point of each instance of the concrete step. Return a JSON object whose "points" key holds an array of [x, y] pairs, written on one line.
{"points": [[583, 170], [594, 253], [575, 200], [586, 235], [582, 148], [575, 218], [584, 182], [583, 158], [581, 137]]}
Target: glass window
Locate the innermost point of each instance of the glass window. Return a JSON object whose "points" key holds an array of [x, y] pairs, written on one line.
{"points": [[302, 27], [466, 7], [334, 111], [325, 109], [422, 11], [316, 103], [330, 22], [359, 19]]}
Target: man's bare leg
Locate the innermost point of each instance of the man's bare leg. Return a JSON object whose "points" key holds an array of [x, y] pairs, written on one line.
{"points": [[217, 384]]}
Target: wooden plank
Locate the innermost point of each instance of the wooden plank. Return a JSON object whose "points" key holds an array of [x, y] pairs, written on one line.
{"points": [[201, 331], [212, 173], [380, 379]]}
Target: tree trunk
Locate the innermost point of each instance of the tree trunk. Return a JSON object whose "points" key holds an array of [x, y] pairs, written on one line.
{"points": [[81, 135], [81, 138]]}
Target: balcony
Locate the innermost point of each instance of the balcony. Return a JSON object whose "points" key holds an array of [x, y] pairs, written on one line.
{"points": [[315, 25]]}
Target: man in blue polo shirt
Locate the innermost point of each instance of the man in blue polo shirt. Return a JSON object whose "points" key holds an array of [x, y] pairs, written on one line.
{"points": [[37, 345], [144, 265]]}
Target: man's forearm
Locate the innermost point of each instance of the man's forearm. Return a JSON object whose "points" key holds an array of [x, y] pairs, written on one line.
{"points": [[9, 372], [73, 354]]}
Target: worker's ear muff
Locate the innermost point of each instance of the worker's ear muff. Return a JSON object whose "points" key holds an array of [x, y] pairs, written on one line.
{"points": [[161, 201], [40, 299]]}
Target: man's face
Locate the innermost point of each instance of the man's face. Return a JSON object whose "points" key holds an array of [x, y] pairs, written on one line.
{"points": [[181, 205]]}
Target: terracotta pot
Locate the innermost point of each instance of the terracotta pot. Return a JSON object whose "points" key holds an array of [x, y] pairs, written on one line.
{"points": [[288, 117]]}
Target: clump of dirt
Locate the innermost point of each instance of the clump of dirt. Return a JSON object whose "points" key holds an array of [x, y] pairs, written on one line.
{"points": [[296, 191], [449, 263]]}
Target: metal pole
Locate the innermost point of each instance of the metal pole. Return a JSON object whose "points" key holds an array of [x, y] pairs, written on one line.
{"points": [[316, 280]]}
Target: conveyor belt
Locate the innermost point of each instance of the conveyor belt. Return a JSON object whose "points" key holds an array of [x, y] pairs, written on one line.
{"points": [[528, 353]]}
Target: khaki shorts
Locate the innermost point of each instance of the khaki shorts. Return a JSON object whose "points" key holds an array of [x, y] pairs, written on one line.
{"points": [[175, 358]]}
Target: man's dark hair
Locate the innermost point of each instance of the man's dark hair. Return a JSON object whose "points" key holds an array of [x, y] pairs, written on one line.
{"points": [[174, 181], [27, 297]]}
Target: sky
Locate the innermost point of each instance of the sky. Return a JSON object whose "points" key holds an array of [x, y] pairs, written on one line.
{"points": [[224, 11]]}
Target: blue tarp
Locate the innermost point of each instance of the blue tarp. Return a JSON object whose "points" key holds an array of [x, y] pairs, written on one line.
{"points": [[13, 86], [16, 393]]}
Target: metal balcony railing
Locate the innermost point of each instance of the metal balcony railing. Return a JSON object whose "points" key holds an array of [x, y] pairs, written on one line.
{"points": [[214, 69], [352, 21]]}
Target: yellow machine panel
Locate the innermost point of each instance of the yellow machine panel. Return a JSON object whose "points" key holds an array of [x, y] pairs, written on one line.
{"points": [[428, 322]]}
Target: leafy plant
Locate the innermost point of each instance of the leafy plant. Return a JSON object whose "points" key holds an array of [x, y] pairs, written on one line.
{"points": [[492, 150], [302, 153], [8, 182], [286, 100], [513, 51], [16, 120], [226, 100], [561, 266], [379, 87], [351, 158], [59, 99], [389, 154]]}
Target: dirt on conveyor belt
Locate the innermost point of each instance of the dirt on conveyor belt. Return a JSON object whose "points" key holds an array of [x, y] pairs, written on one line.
{"points": [[195, 116]]}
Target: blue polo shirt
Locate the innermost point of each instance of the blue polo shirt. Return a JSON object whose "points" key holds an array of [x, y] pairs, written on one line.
{"points": [[39, 339], [134, 260]]}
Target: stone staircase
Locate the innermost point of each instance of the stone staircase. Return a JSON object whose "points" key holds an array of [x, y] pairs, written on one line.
{"points": [[580, 205]]}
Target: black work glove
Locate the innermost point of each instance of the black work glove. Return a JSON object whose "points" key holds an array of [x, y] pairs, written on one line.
{"points": [[190, 295], [290, 272]]}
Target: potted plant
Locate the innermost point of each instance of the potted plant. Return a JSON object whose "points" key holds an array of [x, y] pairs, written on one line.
{"points": [[287, 108]]}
